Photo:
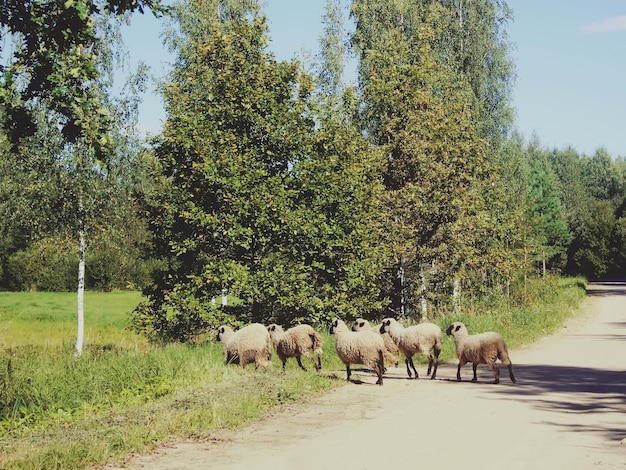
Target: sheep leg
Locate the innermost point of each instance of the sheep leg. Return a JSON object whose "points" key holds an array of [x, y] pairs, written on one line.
{"points": [[300, 363], [409, 362], [317, 365], [434, 361], [474, 366], [348, 372], [511, 373], [458, 371]]}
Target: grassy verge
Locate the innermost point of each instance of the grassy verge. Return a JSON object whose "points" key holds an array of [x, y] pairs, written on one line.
{"points": [[125, 396]]}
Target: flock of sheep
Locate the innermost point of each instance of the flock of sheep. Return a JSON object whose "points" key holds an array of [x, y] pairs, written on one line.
{"points": [[366, 345]]}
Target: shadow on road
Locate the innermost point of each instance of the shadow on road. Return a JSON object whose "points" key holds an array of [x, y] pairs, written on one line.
{"points": [[574, 390], [606, 288]]}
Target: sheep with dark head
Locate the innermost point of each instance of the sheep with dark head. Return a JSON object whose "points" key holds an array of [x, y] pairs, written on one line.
{"points": [[483, 348], [391, 349], [301, 340], [359, 347], [247, 345], [424, 338]]}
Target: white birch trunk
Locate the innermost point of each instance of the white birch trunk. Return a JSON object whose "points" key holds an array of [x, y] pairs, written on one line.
{"points": [[424, 303], [81, 295], [456, 296]]}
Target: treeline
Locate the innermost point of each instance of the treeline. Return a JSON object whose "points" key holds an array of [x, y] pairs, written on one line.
{"points": [[305, 198]]}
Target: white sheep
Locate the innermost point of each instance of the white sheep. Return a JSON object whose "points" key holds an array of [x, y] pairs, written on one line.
{"points": [[301, 340], [483, 348], [247, 345], [359, 347], [425, 338], [391, 349]]}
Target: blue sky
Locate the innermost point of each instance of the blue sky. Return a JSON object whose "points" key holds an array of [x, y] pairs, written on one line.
{"points": [[570, 58]]}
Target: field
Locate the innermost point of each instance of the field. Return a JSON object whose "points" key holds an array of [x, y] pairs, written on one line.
{"points": [[124, 395]]}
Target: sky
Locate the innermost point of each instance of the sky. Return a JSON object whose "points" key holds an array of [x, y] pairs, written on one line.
{"points": [[569, 55]]}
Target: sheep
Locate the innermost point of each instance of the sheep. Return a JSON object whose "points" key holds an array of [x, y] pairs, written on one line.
{"points": [[391, 349], [247, 345], [483, 348], [301, 340], [422, 338], [359, 347]]}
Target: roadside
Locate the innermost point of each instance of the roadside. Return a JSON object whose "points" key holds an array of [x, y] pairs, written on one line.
{"points": [[567, 411]]}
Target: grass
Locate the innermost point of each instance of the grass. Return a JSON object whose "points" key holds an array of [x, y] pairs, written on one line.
{"points": [[124, 395]]}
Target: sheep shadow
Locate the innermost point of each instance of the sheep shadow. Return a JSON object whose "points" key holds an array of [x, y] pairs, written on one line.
{"points": [[570, 389]]}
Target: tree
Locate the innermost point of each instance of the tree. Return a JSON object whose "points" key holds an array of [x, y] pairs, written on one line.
{"points": [[576, 199], [478, 48], [52, 59], [333, 51], [73, 181], [602, 179], [419, 111], [591, 250], [549, 232], [235, 128]]}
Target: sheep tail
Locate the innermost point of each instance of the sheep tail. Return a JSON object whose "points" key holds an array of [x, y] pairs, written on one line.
{"points": [[315, 343], [503, 355]]}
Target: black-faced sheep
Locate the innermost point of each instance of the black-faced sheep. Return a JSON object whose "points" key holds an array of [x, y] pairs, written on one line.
{"points": [[391, 349], [425, 338], [247, 345], [483, 348], [301, 340], [359, 347]]}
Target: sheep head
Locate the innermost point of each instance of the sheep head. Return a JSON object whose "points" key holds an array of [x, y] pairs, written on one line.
{"points": [[456, 327], [385, 325], [224, 331], [275, 328], [337, 325], [360, 324]]}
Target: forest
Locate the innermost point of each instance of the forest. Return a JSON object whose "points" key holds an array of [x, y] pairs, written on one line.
{"points": [[278, 186]]}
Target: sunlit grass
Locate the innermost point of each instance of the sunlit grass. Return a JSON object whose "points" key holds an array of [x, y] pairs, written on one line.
{"points": [[49, 319]]}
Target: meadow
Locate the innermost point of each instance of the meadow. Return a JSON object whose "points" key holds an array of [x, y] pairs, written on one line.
{"points": [[124, 395]]}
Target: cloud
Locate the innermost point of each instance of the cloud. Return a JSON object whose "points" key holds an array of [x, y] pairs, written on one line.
{"points": [[617, 23]]}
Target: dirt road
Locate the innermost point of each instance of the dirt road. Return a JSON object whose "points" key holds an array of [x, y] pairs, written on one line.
{"points": [[567, 411]]}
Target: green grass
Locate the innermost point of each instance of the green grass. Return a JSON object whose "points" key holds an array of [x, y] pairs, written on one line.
{"points": [[48, 319], [124, 395]]}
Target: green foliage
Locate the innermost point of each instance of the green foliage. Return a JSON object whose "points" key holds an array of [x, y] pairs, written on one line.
{"points": [[252, 196], [550, 236], [592, 249], [418, 109], [54, 62]]}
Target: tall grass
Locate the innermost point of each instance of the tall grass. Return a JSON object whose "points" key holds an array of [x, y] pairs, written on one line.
{"points": [[124, 395]]}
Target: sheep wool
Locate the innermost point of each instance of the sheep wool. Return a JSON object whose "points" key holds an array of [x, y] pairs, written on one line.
{"points": [[359, 347], [424, 338], [391, 350], [250, 344], [301, 340], [483, 348]]}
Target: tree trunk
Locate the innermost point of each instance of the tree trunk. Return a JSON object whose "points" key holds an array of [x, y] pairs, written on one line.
{"points": [[456, 297], [81, 294], [423, 299]]}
